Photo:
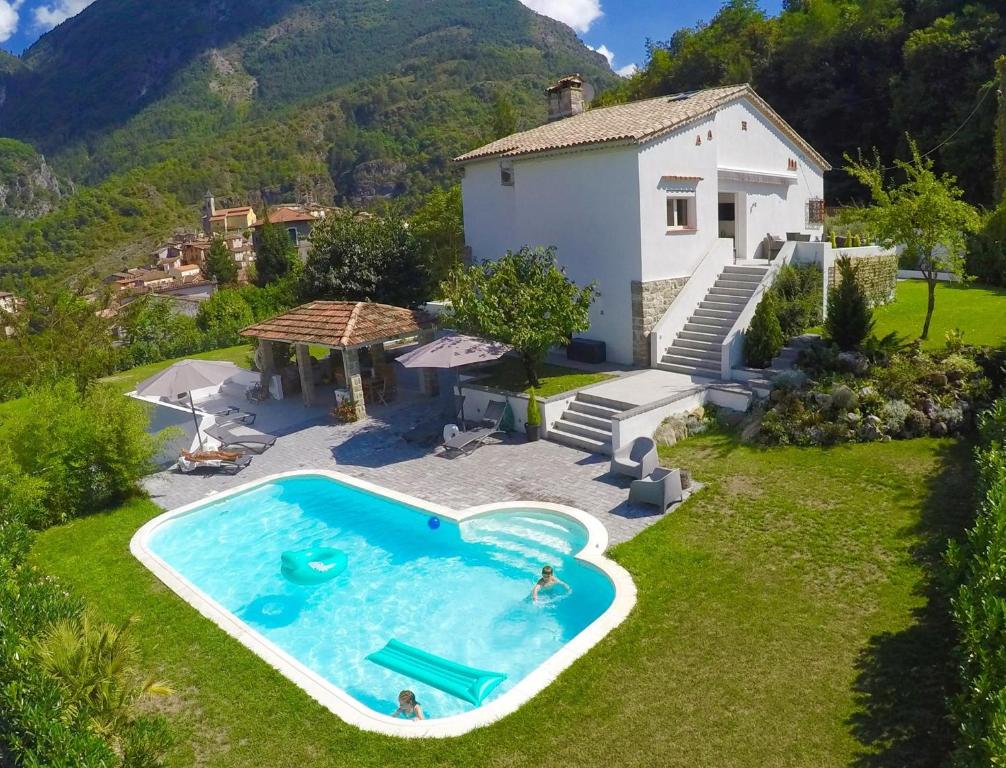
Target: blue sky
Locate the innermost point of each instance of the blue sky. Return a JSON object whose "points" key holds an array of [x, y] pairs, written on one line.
{"points": [[617, 28]]}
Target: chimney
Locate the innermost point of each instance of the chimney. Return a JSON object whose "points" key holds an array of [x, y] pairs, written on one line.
{"points": [[565, 98]]}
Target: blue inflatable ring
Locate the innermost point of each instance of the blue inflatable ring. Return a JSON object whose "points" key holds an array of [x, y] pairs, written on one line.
{"points": [[313, 566]]}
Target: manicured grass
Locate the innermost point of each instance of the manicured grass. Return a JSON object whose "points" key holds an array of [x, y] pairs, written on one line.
{"points": [[786, 617], [127, 380], [977, 310], [509, 375]]}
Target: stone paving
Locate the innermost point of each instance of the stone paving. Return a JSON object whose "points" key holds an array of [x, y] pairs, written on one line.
{"points": [[374, 450]]}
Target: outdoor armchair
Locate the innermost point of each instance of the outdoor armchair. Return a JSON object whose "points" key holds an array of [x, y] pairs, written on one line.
{"points": [[638, 459], [661, 489]]}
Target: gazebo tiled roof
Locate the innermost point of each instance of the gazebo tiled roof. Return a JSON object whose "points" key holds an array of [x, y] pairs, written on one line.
{"points": [[341, 324]]}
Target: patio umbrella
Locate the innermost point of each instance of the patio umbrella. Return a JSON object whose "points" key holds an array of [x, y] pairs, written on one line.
{"points": [[183, 377], [455, 351]]}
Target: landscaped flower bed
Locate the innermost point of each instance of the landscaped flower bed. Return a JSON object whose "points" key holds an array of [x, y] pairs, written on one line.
{"points": [[879, 394]]}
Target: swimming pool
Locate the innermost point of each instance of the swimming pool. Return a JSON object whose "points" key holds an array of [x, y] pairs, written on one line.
{"points": [[454, 585]]}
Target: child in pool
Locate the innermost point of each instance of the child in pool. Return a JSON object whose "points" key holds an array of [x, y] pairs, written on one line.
{"points": [[408, 707], [548, 580]]}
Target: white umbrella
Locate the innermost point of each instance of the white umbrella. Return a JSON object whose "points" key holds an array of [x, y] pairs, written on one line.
{"points": [[181, 378]]}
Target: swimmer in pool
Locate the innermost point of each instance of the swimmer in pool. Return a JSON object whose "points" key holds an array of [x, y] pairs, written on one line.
{"points": [[548, 580], [408, 707]]}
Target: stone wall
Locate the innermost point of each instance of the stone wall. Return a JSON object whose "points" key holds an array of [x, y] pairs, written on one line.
{"points": [[650, 300], [877, 274]]}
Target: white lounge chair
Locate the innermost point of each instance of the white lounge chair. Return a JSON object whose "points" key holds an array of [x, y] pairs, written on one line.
{"points": [[233, 463]]}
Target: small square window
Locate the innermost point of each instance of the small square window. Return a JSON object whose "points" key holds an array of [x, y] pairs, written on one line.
{"points": [[506, 174], [677, 213], [744, 125], [815, 212]]}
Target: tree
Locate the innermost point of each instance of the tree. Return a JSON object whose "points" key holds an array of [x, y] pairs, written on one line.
{"points": [[222, 316], [220, 265], [850, 319], [523, 299], [357, 258], [504, 117], [275, 255], [439, 225], [925, 214], [764, 338], [1000, 137], [155, 332]]}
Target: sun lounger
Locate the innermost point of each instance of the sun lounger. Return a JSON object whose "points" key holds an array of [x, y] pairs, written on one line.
{"points": [[239, 435], [465, 442], [225, 461]]}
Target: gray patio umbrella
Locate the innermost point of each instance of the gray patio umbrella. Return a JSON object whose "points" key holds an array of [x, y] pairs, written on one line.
{"points": [[183, 377], [455, 351]]}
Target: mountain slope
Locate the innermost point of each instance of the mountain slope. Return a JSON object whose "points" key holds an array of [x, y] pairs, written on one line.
{"points": [[348, 101]]}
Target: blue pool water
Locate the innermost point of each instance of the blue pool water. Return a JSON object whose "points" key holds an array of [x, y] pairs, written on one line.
{"points": [[461, 591]]}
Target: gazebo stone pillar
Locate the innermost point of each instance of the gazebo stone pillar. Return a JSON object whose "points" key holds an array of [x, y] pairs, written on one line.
{"points": [[428, 381], [354, 381], [268, 361], [306, 373]]}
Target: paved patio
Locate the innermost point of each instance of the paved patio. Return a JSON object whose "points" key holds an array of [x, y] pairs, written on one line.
{"points": [[374, 450]]}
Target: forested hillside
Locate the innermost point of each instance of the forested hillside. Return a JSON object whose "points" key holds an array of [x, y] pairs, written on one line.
{"points": [[852, 74], [145, 106]]}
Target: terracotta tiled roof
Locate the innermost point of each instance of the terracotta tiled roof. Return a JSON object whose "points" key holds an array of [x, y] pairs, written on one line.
{"points": [[340, 324], [286, 215], [633, 123]]}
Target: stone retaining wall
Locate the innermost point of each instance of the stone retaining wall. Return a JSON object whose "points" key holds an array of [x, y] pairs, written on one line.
{"points": [[650, 300], [877, 274]]}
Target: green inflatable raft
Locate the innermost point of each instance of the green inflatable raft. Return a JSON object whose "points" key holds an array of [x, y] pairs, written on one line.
{"points": [[466, 683], [309, 567]]}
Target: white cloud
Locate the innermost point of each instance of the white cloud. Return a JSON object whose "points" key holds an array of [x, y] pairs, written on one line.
{"points": [[8, 18], [627, 71], [606, 52], [579, 14], [58, 11]]}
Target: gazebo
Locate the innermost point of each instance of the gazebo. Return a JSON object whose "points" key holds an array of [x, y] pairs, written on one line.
{"points": [[347, 326]]}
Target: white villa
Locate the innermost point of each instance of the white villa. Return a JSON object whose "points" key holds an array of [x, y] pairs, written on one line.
{"points": [[673, 206]]}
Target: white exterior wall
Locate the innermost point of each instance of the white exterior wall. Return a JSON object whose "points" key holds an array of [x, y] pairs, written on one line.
{"points": [[586, 204], [771, 207], [675, 253]]}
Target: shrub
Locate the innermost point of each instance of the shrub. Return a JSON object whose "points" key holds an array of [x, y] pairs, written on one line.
{"points": [[533, 412], [222, 316], [916, 423], [94, 451], [797, 291], [850, 319], [843, 398], [764, 338], [790, 381], [986, 252]]}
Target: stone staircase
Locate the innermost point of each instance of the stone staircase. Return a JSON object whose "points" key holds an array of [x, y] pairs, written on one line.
{"points": [[696, 350], [586, 423]]}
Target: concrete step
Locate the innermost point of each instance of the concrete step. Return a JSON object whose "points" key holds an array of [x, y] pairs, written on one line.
{"points": [[676, 358], [580, 442], [711, 324], [708, 338], [607, 402], [582, 430], [742, 293], [736, 269], [587, 420], [704, 346], [743, 285], [726, 314], [592, 409], [688, 370], [724, 303], [719, 332], [711, 353]]}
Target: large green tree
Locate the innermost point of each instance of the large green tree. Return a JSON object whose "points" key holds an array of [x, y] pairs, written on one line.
{"points": [[275, 256], [523, 299], [439, 225], [220, 264], [924, 214], [366, 258]]}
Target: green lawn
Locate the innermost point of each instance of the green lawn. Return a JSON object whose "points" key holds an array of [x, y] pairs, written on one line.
{"points": [[127, 380], [977, 310], [509, 375], [785, 618]]}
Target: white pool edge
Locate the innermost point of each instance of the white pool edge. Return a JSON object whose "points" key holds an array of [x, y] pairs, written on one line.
{"points": [[345, 706]]}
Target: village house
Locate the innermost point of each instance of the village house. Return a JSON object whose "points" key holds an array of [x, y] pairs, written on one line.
{"points": [[644, 199], [298, 221], [221, 221]]}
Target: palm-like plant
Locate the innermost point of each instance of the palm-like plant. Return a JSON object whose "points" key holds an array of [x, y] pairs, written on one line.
{"points": [[94, 664]]}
